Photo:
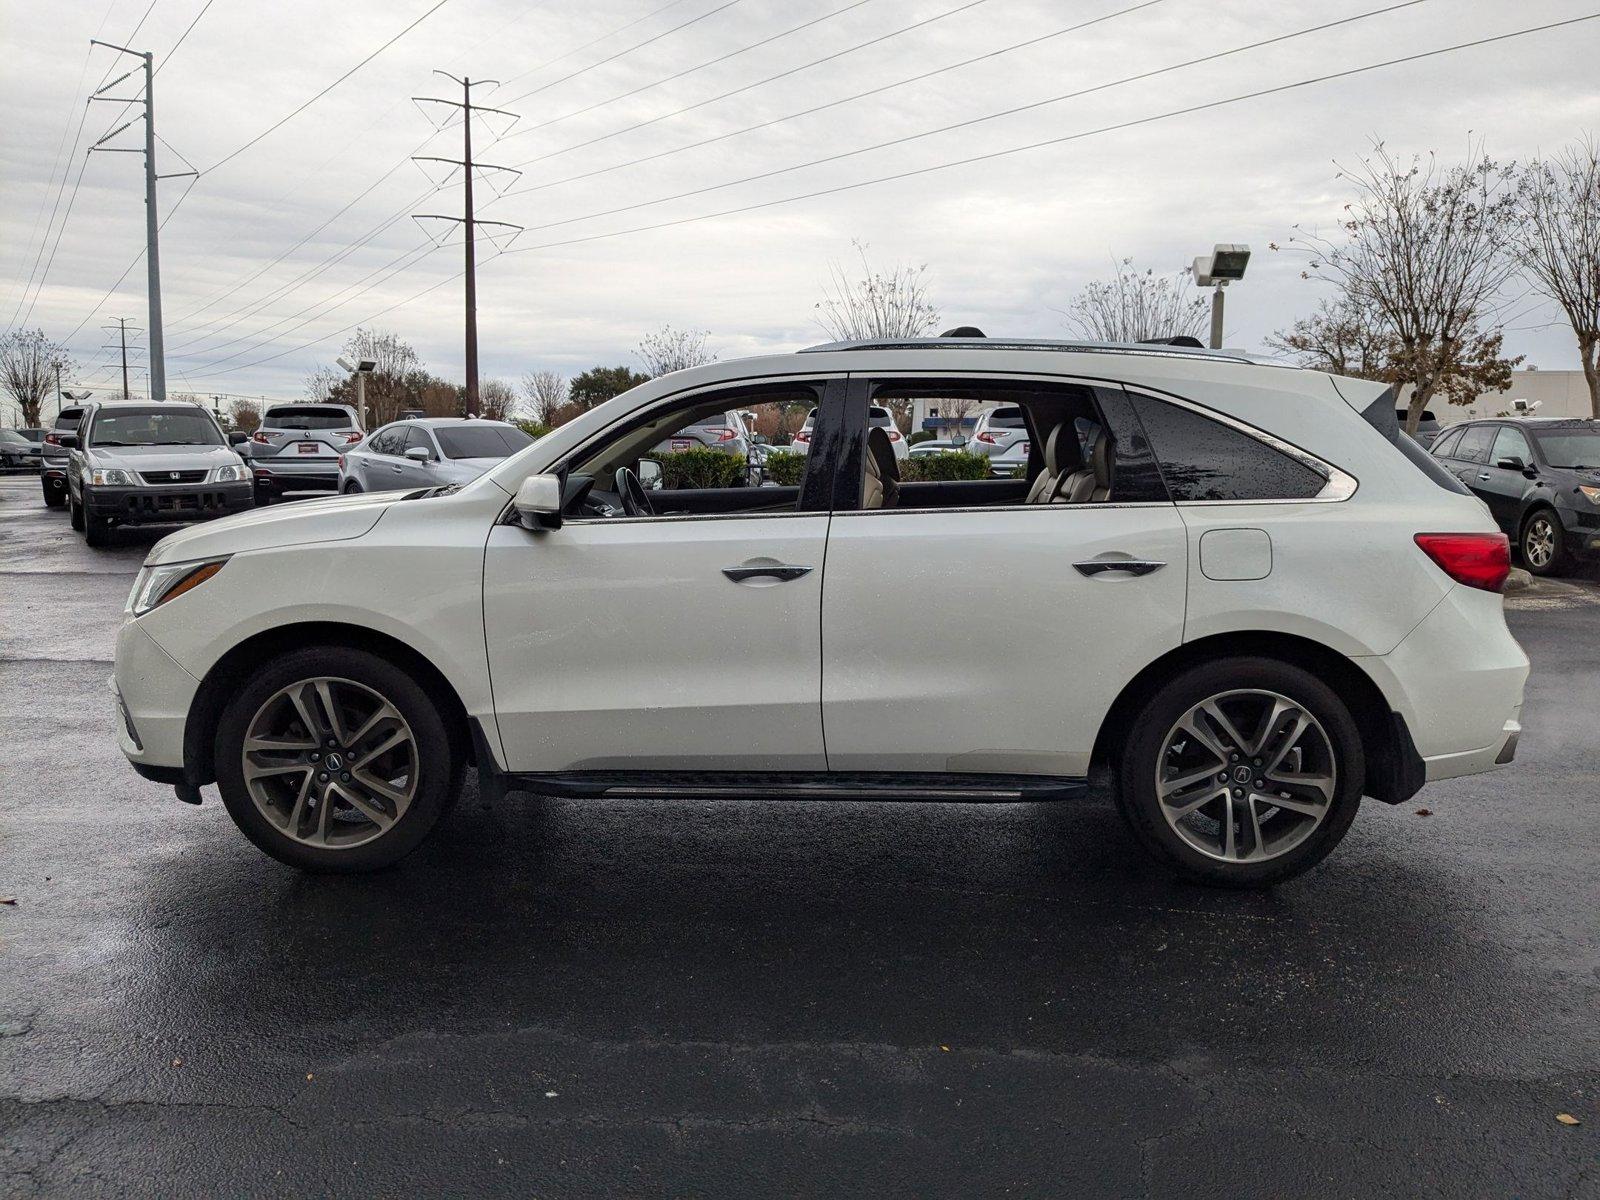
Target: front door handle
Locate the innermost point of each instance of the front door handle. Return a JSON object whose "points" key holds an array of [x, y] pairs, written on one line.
{"points": [[1485, 476], [1105, 566], [782, 572]]}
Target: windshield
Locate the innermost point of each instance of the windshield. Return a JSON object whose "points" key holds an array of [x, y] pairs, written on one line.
{"points": [[1576, 449], [155, 426], [307, 418], [11, 435], [480, 441]]}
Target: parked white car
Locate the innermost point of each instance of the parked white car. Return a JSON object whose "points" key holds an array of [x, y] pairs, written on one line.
{"points": [[998, 430], [1253, 604], [880, 417]]}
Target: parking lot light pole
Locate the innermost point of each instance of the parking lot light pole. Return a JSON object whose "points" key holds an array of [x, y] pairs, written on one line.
{"points": [[361, 368], [1224, 265]]}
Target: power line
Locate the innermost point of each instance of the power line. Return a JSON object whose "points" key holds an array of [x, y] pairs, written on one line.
{"points": [[550, 62], [721, 137], [987, 157], [282, 121]]}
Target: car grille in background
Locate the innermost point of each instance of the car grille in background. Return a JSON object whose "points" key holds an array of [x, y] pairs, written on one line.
{"points": [[192, 502], [173, 476]]}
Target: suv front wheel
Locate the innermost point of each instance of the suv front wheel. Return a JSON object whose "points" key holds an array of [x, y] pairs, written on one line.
{"points": [[334, 759], [1243, 772]]}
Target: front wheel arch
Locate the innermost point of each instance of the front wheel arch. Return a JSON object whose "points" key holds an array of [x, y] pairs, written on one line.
{"points": [[224, 678], [1394, 771]]}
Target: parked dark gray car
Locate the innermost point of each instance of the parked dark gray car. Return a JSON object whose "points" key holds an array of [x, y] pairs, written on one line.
{"points": [[297, 448], [428, 452], [18, 452]]}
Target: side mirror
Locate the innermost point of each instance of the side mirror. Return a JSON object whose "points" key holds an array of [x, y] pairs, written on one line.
{"points": [[1511, 462], [67, 441], [650, 474], [538, 502], [419, 454], [237, 436]]}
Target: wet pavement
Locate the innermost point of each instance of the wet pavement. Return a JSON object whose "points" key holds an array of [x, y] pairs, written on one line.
{"points": [[560, 998]]}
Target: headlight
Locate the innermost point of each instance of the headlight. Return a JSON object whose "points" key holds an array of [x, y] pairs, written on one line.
{"points": [[1592, 494], [109, 477], [230, 475], [156, 585]]}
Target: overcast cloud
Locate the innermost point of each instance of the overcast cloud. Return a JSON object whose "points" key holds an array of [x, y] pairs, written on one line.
{"points": [[1006, 241]]}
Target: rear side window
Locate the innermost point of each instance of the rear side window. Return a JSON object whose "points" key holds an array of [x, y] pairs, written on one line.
{"points": [[1202, 459], [1474, 444], [307, 417], [1446, 445]]}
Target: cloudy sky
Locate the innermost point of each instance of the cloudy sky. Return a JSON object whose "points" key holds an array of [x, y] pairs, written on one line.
{"points": [[287, 241]]}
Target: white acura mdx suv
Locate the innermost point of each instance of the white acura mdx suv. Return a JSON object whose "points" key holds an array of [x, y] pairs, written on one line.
{"points": [[1241, 605]]}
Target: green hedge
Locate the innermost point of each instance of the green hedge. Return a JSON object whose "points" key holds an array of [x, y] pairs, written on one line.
{"points": [[939, 468], [533, 429], [921, 435], [701, 467], [786, 468]]}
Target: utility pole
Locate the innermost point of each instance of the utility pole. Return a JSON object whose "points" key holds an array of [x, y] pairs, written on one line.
{"points": [[468, 220], [121, 330], [152, 241]]}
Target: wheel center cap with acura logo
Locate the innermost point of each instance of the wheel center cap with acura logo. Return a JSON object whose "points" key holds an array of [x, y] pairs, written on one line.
{"points": [[1241, 774], [335, 763]]}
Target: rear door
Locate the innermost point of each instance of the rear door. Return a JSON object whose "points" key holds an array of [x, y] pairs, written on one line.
{"points": [[1470, 455], [992, 635]]}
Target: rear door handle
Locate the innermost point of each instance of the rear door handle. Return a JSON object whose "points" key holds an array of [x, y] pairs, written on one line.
{"points": [[782, 572], [1105, 566]]}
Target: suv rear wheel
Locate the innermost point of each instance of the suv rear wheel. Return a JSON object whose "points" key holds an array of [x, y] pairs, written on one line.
{"points": [[1242, 772], [333, 759]]}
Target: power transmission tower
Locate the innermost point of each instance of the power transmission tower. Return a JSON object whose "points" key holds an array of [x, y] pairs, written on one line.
{"points": [[121, 330], [152, 247], [468, 219]]}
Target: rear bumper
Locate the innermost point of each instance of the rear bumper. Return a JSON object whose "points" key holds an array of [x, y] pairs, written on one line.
{"points": [[292, 476], [167, 505]]}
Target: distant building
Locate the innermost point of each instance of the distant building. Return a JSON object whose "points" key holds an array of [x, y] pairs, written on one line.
{"points": [[1562, 393]]}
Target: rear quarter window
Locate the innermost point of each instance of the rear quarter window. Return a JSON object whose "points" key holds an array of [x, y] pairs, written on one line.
{"points": [[1203, 459]]}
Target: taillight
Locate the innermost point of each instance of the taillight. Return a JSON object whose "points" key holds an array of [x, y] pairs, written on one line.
{"points": [[723, 435], [988, 439], [350, 439], [1478, 560], [259, 436], [894, 434], [802, 436], [53, 439]]}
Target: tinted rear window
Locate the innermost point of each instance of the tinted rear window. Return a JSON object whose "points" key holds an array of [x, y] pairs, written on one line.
{"points": [[481, 441], [1006, 418], [69, 418], [307, 417], [1202, 459]]}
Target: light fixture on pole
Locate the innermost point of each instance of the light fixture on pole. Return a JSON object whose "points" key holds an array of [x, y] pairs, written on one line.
{"points": [[361, 368], [1224, 265]]}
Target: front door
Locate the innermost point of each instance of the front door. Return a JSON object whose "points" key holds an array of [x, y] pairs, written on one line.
{"points": [[687, 640], [966, 630], [1503, 488]]}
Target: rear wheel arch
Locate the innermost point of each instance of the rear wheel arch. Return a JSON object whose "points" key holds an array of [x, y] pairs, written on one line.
{"points": [[1393, 771], [224, 678]]}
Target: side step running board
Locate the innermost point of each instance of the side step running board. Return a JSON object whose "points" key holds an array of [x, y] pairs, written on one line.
{"points": [[740, 785]]}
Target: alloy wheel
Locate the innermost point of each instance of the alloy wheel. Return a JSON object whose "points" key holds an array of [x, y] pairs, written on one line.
{"points": [[330, 762], [1246, 776], [1539, 543]]}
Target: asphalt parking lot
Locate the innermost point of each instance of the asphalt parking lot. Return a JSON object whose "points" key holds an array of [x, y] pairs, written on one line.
{"points": [[560, 998]]}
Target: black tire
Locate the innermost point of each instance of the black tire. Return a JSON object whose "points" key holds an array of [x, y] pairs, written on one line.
{"points": [[77, 514], [439, 765], [1141, 758], [351, 488], [53, 498], [96, 531], [1543, 544]]}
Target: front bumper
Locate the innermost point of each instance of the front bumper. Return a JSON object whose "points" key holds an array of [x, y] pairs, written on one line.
{"points": [[153, 694], [164, 505]]}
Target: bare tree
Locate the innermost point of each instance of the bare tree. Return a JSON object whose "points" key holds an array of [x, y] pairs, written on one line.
{"points": [[28, 364], [497, 400], [1342, 337], [546, 394], [1135, 305], [877, 304], [670, 349], [244, 415], [1558, 240], [1425, 246]]}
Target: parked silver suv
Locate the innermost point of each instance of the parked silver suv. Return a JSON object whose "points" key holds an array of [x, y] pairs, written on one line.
{"points": [[428, 452], [133, 462], [53, 467], [298, 446]]}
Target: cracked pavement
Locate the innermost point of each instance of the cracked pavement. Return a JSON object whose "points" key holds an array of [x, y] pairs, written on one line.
{"points": [[560, 998]]}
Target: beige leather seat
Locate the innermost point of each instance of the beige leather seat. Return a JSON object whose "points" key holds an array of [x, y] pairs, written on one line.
{"points": [[1043, 488], [1092, 484], [880, 484]]}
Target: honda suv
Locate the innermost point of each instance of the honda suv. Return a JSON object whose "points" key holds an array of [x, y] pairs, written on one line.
{"points": [[1249, 603]]}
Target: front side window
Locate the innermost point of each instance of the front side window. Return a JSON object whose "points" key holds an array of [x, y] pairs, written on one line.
{"points": [[158, 425], [1511, 442], [1204, 459], [417, 436]]}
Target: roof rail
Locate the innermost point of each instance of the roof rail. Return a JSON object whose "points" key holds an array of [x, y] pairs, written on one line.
{"points": [[945, 342]]}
